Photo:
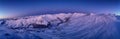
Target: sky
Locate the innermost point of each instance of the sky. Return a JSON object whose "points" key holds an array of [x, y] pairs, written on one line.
{"points": [[16, 8]]}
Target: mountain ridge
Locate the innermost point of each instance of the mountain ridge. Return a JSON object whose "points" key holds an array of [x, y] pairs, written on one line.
{"points": [[62, 26]]}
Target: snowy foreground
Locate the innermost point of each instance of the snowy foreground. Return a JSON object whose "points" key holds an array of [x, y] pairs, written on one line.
{"points": [[61, 26]]}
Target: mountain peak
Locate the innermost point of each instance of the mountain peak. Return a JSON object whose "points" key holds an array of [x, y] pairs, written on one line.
{"points": [[61, 26]]}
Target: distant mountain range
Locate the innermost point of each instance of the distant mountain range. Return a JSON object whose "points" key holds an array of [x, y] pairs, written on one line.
{"points": [[62, 26]]}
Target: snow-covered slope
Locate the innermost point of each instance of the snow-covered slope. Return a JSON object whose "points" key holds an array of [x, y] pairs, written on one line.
{"points": [[61, 26]]}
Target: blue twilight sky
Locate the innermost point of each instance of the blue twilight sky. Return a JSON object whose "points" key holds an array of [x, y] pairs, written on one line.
{"points": [[14, 8]]}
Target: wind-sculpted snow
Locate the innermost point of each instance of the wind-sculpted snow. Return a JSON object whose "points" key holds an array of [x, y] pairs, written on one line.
{"points": [[61, 26]]}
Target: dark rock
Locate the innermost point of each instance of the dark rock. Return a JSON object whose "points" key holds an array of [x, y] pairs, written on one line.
{"points": [[2, 22], [6, 34], [39, 26]]}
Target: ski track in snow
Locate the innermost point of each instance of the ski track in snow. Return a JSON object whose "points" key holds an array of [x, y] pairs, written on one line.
{"points": [[61, 26]]}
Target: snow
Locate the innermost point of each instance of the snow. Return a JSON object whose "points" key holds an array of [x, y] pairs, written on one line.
{"points": [[61, 26]]}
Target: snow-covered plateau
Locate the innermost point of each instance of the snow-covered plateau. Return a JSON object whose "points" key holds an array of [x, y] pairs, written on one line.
{"points": [[62, 26]]}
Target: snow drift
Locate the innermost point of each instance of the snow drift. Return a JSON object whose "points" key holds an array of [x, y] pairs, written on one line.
{"points": [[61, 26]]}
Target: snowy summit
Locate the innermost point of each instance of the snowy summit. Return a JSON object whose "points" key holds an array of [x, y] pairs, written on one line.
{"points": [[61, 26]]}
